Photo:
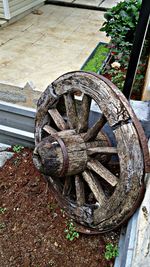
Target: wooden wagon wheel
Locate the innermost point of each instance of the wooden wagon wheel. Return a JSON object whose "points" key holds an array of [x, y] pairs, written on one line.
{"points": [[98, 185]]}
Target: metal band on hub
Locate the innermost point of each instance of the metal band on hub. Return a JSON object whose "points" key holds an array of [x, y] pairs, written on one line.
{"points": [[65, 155]]}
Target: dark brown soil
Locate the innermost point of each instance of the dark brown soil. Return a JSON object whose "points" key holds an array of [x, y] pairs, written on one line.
{"points": [[32, 225]]}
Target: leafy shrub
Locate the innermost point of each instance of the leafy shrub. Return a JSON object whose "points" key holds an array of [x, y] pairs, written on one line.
{"points": [[121, 21]]}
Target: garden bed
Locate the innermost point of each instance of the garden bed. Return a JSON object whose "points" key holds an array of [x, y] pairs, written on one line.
{"points": [[32, 225]]}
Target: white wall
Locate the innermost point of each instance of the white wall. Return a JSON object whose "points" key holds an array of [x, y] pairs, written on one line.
{"points": [[12, 8]]}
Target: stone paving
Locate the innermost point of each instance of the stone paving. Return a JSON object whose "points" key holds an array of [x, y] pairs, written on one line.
{"points": [[39, 48]]}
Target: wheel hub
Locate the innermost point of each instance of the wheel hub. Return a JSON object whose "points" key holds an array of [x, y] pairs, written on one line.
{"points": [[66, 153]]}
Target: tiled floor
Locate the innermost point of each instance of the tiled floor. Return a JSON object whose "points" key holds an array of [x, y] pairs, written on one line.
{"points": [[39, 48]]}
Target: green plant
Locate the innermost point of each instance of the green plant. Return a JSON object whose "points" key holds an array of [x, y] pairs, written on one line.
{"points": [[111, 251], [2, 210], [17, 148], [117, 77], [121, 21], [71, 231]]}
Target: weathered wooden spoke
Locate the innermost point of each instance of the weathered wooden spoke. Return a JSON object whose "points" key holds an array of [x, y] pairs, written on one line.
{"points": [[84, 114], [58, 119], [97, 167], [102, 150], [71, 111], [67, 186], [49, 129], [80, 190], [95, 129], [94, 185], [99, 185]]}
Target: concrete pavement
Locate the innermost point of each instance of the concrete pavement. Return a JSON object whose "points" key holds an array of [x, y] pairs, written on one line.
{"points": [[39, 48]]}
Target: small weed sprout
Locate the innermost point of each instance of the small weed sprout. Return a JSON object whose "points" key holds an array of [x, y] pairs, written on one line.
{"points": [[2, 210], [70, 231], [2, 225], [17, 148], [111, 251]]}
